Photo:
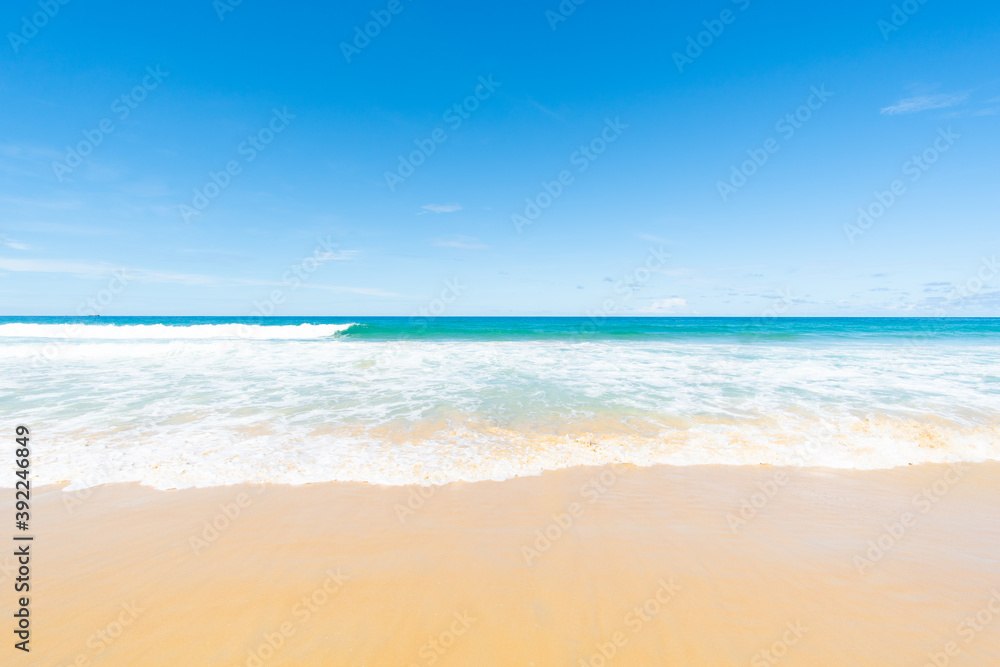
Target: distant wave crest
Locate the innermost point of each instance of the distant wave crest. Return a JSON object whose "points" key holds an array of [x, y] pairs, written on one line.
{"points": [[163, 331]]}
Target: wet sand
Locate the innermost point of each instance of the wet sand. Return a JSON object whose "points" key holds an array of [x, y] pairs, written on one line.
{"points": [[595, 566]]}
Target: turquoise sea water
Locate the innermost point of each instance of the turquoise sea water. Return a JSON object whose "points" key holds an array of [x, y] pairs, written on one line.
{"points": [[591, 328], [201, 401]]}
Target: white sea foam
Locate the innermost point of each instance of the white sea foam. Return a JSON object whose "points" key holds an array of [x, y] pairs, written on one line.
{"points": [[199, 411], [167, 332]]}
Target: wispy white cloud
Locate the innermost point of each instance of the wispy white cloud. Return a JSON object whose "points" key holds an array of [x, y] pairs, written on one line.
{"points": [[29, 152], [210, 252], [147, 188], [679, 272], [86, 270], [652, 238], [441, 208], [367, 291], [16, 245], [178, 278], [466, 242], [47, 203], [924, 103], [62, 229], [54, 266], [544, 109], [336, 256]]}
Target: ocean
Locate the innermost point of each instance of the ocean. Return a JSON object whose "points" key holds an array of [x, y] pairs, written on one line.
{"points": [[174, 402]]}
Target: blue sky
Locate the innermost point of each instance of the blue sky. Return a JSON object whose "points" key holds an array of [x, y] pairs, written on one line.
{"points": [[615, 107]]}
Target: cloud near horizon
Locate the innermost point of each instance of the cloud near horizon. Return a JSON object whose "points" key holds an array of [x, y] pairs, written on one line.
{"points": [[665, 305]]}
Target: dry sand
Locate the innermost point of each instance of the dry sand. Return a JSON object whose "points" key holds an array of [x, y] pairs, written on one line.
{"points": [[653, 570]]}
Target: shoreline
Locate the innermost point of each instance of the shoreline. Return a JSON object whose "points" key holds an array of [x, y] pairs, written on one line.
{"points": [[64, 484], [658, 565]]}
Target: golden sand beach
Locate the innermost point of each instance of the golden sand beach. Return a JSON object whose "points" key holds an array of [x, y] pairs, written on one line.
{"points": [[588, 566]]}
